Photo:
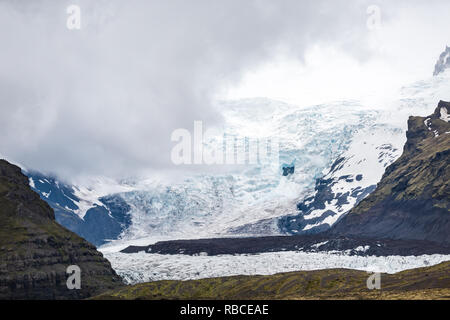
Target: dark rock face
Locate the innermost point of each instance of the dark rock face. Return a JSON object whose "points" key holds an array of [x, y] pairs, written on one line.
{"points": [[305, 243], [412, 199], [288, 170], [100, 224], [35, 250], [323, 194]]}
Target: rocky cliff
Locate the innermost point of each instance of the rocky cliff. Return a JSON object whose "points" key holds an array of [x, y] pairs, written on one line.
{"points": [[35, 251], [412, 199]]}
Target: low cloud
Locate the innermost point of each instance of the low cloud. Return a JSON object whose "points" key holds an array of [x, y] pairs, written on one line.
{"points": [[104, 100]]}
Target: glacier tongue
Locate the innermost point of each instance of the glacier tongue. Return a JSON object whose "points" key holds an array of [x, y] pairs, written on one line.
{"points": [[144, 267], [207, 205], [356, 139], [260, 199]]}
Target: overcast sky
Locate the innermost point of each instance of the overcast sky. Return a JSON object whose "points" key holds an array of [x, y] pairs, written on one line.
{"points": [[103, 100]]}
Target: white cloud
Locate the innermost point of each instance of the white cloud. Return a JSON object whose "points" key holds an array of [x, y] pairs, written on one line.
{"points": [[105, 99]]}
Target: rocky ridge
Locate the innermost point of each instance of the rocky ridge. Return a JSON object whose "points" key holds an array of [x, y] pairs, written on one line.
{"points": [[412, 199], [35, 251]]}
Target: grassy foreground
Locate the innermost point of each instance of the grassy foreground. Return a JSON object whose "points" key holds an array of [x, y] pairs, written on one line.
{"points": [[423, 283]]}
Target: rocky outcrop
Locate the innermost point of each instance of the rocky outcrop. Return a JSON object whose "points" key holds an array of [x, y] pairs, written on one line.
{"points": [[35, 251], [412, 199], [443, 62]]}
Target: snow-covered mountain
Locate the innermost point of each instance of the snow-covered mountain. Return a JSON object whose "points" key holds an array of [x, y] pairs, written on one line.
{"points": [[411, 200], [97, 213], [349, 180], [217, 204], [330, 157]]}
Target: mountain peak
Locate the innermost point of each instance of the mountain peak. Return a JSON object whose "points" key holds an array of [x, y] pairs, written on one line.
{"points": [[14, 188], [35, 251], [10, 171], [443, 62]]}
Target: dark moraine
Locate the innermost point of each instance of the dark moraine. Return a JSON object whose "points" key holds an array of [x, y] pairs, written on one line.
{"points": [[306, 243]]}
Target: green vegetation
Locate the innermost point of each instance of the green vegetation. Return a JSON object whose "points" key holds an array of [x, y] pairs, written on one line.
{"points": [[424, 283], [411, 201]]}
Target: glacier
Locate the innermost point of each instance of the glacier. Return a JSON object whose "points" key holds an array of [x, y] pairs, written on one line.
{"points": [[335, 154], [144, 267], [367, 135], [342, 146]]}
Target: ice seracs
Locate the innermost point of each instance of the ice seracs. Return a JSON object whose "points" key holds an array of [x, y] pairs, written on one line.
{"points": [[349, 180], [144, 267], [341, 147]]}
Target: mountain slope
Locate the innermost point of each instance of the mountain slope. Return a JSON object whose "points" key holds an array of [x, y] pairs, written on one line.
{"points": [[412, 199], [350, 179], [89, 213], [423, 283], [35, 251]]}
